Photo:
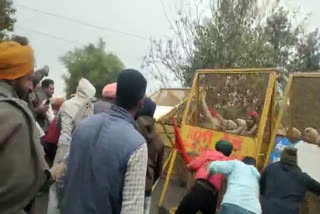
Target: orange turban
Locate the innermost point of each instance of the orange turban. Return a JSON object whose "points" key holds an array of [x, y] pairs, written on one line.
{"points": [[110, 91], [15, 60]]}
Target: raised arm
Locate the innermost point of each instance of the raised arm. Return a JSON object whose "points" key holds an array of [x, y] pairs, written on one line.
{"points": [[214, 122]]}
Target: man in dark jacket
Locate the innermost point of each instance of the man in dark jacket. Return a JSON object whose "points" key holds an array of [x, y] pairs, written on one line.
{"points": [[146, 127], [108, 156], [283, 185]]}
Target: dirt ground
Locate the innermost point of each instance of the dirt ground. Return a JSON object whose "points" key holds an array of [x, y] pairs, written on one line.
{"points": [[180, 182]]}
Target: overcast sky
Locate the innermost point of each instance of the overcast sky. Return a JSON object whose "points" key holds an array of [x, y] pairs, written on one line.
{"points": [[129, 24]]}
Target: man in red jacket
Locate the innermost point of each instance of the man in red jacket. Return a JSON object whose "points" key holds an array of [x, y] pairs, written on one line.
{"points": [[204, 194]]}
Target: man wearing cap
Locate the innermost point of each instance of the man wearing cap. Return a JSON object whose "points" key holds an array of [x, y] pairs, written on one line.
{"points": [[23, 170], [283, 185], [108, 98]]}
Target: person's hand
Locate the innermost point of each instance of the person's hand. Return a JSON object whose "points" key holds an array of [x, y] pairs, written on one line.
{"points": [[57, 170]]}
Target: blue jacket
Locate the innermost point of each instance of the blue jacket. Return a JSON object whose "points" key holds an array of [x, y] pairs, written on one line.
{"points": [[100, 150], [243, 184]]}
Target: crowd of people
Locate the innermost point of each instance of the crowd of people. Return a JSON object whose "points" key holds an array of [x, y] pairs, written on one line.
{"points": [[80, 155], [87, 155], [244, 127], [281, 188]]}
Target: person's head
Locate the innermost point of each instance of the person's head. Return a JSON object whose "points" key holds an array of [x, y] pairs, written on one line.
{"points": [[249, 161], [85, 89], [109, 92], [282, 132], [310, 135], [252, 118], [47, 86], [225, 147], [294, 134], [16, 66], [149, 107], [131, 89], [289, 156]]}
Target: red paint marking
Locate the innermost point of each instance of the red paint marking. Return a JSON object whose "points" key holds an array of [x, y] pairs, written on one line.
{"points": [[200, 137], [200, 140]]}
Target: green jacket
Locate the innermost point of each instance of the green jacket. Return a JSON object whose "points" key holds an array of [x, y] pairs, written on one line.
{"points": [[23, 171]]}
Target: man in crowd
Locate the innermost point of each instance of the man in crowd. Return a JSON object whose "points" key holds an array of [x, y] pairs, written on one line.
{"points": [[283, 185], [24, 173], [108, 98], [72, 111], [204, 194], [41, 103], [252, 123], [242, 195], [146, 127], [108, 157]]}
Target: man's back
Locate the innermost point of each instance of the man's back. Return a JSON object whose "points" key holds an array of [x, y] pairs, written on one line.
{"points": [[198, 165], [100, 150], [283, 187], [243, 184], [101, 106]]}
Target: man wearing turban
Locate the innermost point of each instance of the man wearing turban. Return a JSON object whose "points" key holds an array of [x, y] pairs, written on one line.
{"points": [[108, 98], [24, 173]]}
